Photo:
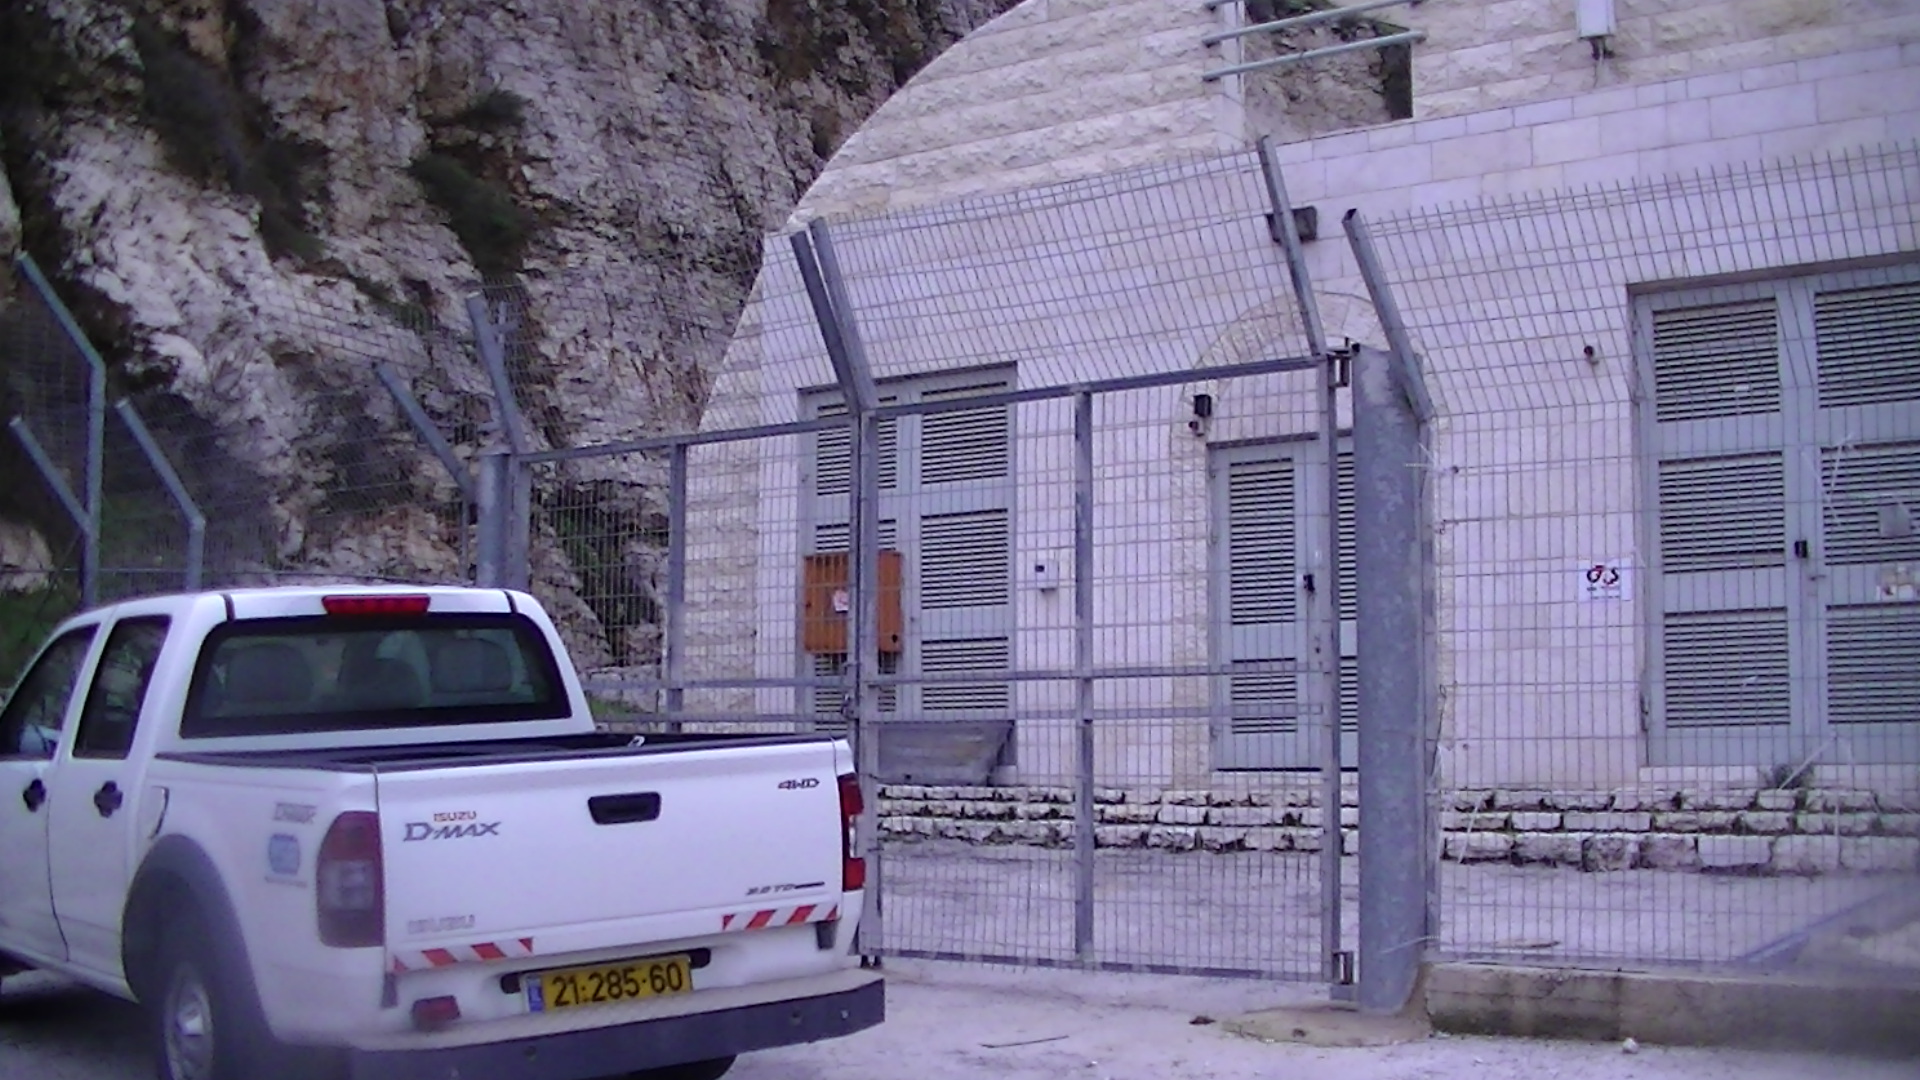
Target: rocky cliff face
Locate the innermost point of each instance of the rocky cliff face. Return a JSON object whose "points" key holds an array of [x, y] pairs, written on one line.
{"points": [[250, 202]]}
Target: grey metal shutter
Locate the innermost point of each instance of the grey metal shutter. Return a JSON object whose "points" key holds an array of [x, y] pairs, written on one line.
{"points": [[833, 453], [1726, 612], [968, 444], [965, 560], [952, 657], [1867, 340], [1263, 617], [1264, 500], [961, 564], [1346, 538]]}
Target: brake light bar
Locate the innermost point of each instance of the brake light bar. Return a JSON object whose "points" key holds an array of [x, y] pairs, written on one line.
{"points": [[375, 605]]}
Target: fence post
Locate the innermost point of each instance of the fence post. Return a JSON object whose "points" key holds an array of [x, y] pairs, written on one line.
{"points": [[157, 458], [676, 605], [96, 425], [491, 507], [51, 474], [493, 356], [1392, 408], [1387, 482], [840, 333], [1083, 583], [1323, 598]]}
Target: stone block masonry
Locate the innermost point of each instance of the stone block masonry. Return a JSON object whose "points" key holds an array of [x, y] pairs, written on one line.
{"points": [[1772, 832]]}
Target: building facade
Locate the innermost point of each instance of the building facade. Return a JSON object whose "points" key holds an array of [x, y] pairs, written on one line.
{"points": [[1666, 284]]}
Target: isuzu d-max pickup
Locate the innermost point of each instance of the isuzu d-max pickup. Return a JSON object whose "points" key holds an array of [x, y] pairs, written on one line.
{"points": [[376, 831]]}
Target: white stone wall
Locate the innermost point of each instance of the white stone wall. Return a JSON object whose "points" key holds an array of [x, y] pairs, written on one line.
{"points": [[1055, 90], [1533, 461], [1051, 90], [1480, 54]]}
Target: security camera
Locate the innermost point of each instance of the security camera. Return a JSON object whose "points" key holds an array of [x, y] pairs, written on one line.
{"points": [[1202, 412]]}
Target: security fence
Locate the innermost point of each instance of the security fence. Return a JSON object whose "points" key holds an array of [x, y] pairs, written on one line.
{"points": [[1583, 587], [1674, 467]]}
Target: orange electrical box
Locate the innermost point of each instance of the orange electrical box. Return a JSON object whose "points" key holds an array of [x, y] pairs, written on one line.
{"points": [[826, 606]]}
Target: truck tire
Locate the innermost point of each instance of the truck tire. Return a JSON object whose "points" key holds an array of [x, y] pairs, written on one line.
{"points": [[201, 1022]]}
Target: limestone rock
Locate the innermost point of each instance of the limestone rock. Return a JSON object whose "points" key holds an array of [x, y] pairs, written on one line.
{"points": [[1735, 852], [25, 558], [1880, 854], [226, 194], [1610, 853], [1478, 847], [1561, 849], [1806, 855], [1660, 851]]}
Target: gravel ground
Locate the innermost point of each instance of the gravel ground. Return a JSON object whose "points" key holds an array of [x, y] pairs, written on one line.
{"points": [[949, 1021]]}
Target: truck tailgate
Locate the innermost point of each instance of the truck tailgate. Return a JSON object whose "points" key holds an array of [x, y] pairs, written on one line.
{"points": [[610, 850]]}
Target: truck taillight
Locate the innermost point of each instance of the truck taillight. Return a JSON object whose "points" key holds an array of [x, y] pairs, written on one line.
{"points": [[853, 871], [350, 890]]}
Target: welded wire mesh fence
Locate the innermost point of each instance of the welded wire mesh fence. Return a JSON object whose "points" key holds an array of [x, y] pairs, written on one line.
{"points": [[46, 393], [1673, 478], [1671, 483], [1069, 405], [277, 452]]}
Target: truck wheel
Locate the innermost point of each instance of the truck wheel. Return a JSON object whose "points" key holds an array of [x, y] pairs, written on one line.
{"points": [[201, 1027]]}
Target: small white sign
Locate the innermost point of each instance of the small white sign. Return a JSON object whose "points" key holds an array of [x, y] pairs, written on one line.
{"points": [[1609, 580], [842, 601]]}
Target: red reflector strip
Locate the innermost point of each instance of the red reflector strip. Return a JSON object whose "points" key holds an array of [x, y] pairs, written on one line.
{"points": [[480, 952], [765, 917], [375, 605]]}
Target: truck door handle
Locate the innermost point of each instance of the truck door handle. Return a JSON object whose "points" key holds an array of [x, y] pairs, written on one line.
{"points": [[107, 799], [624, 809], [35, 794]]}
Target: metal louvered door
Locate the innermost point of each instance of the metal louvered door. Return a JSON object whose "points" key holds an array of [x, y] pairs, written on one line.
{"points": [[1785, 423], [1729, 617], [1267, 700], [960, 563], [1867, 342]]}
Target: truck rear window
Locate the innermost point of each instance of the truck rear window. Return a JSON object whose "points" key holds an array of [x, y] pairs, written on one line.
{"points": [[295, 676]]}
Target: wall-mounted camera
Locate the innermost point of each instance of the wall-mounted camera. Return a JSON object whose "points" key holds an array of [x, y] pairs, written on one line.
{"points": [[1202, 413]]}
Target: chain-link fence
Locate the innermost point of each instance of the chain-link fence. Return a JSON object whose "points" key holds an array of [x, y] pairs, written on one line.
{"points": [[1673, 475]]}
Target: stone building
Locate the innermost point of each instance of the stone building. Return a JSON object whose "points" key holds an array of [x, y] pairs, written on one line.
{"points": [[1711, 387]]}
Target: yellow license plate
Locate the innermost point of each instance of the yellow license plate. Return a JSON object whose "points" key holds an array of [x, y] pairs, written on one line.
{"points": [[600, 984]]}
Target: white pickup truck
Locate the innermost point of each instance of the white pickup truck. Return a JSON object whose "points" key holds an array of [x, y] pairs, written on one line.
{"points": [[375, 832]]}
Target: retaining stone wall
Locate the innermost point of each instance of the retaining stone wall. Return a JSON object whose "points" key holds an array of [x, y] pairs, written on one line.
{"points": [[1759, 832]]}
